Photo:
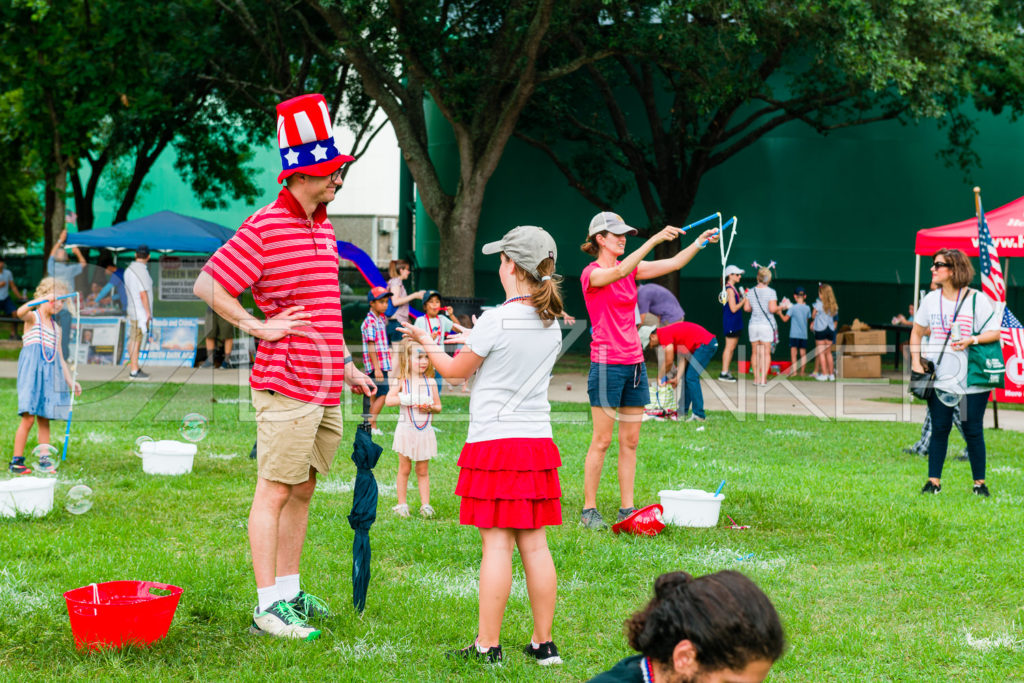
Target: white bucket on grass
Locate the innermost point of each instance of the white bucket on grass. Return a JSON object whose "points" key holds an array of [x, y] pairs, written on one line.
{"points": [[690, 507], [167, 457], [26, 495]]}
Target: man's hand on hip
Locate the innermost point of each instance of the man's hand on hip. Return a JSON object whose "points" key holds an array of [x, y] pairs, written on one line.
{"points": [[279, 326]]}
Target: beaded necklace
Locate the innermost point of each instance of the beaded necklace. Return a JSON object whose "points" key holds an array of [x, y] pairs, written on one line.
{"points": [[412, 417], [434, 334], [42, 340], [647, 670], [515, 299]]}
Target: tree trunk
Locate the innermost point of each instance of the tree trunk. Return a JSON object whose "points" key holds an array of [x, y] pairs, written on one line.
{"points": [[144, 161], [83, 205], [456, 276], [55, 220]]}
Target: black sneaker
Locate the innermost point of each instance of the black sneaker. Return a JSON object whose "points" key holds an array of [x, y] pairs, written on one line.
{"points": [[18, 466], [138, 374], [492, 656], [625, 512], [981, 490], [592, 519], [227, 365], [208, 363], [546, 654], [929, 487], [726, 377]]}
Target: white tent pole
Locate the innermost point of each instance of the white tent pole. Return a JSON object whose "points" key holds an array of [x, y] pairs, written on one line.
{"points": [[917, 282]]}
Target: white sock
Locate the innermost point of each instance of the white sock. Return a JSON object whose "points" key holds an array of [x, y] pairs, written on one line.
{"points": [[288, 586], [266, 597], [534, 645]]}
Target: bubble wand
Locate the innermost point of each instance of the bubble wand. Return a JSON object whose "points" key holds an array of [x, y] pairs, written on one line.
{"points": [[74, 374], [39, 302], [724, 250], [702, 221]]}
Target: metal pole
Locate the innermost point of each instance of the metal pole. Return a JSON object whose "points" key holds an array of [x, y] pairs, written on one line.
{"points": [[917, 282]]}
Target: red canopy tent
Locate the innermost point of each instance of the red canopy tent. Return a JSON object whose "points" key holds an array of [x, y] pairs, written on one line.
{"points": [[1007, 227], [1005, 223]]}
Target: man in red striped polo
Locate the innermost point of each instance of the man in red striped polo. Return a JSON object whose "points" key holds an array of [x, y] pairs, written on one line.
{"points": [[287, 255]]}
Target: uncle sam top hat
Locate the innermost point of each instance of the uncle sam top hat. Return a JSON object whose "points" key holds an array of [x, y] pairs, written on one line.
{"points": [[306, 138]]}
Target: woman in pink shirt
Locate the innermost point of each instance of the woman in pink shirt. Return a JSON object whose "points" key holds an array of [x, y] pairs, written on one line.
{"points": [[617, 384]]}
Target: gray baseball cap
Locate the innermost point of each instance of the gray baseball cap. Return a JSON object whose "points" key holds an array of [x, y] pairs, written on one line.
{"points": [[527, 245], [612, 222], [733, 270]]}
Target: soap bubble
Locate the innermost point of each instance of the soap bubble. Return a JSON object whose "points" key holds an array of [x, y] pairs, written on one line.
{"points": [[46, 459], [79, 501], [137, 449], [948, 398], [193, 427]]}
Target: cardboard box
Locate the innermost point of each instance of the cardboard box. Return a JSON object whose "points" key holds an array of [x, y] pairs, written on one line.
{"points": [[863, 343], [862, 367]]}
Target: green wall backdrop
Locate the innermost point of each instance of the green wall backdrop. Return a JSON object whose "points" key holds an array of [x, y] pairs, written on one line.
{"points": [[841, 208]]}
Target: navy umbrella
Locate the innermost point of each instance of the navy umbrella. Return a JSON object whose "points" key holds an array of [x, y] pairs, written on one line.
{"points": [[365, 454]]}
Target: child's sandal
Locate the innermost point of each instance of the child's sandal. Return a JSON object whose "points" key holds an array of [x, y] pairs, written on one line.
{"points": [[402, 510], [426, 511]]}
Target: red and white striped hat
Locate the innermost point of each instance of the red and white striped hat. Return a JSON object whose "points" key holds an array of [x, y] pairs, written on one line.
{"points": [[306, 138]]}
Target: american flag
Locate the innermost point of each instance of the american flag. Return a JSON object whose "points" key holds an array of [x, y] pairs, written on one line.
{"points": [[992, 283], [1013, 332]]}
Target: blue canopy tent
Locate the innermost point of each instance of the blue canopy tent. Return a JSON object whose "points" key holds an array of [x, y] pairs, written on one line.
{"points": [[163, 231]]}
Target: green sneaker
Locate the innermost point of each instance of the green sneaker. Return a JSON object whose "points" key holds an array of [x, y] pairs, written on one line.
{"points": [[309, 606], [281, 620]]}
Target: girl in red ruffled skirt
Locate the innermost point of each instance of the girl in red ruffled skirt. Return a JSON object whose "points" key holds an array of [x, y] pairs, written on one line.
{"points": [[508, 478]]}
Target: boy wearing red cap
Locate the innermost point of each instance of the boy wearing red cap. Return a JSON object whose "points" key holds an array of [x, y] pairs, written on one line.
{"points": [[287, 255], [376, 352]]}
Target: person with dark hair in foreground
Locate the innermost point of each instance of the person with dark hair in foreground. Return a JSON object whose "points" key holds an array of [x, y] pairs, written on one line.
{"points": [[719, 628]]}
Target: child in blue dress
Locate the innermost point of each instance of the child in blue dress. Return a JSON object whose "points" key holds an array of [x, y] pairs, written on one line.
{"points": [[43, 374]]}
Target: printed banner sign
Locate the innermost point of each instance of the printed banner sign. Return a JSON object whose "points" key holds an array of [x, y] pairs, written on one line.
{"points": [[1013, 391], [171, 342], [100, 342], [177, 277]]}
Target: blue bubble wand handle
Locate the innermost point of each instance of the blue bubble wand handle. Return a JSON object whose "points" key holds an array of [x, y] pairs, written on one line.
{"points": [[702, 221], [719, 489], [39, 302], [74, 373], [720, 231]]}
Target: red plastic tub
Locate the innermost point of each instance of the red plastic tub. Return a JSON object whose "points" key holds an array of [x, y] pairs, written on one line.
{"points": [[118, 613], [777, 367]]}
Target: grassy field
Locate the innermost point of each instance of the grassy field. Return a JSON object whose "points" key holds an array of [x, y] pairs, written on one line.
{"points": [[873, 581]]}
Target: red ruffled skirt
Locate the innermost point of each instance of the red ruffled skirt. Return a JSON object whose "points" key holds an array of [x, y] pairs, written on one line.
{"points": [[510, 484]]}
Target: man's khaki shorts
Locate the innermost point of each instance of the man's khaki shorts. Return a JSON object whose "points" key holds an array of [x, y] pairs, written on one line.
{"points": [[292, 436], [135, 332]]}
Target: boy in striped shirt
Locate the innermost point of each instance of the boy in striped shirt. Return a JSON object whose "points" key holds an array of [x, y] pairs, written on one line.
{"points": [[376, 352]]}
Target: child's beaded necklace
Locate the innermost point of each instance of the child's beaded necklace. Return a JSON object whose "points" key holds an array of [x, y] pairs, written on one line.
{"points": [[42, 339], [412, 417]]}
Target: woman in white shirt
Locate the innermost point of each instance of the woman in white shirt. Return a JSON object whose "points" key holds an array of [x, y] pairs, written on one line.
{"points": [[953, 317], [762, 304]]}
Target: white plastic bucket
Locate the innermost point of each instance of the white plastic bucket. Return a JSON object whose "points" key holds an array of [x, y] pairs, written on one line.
{"points": [[26, 495], [691, 507], [167, 457]]}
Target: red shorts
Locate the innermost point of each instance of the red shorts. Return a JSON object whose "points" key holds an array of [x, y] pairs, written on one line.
{"points": [[510, 484]]}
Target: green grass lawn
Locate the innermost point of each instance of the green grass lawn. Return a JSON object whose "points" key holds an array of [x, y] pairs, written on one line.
{"points": [[873, 581]]}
